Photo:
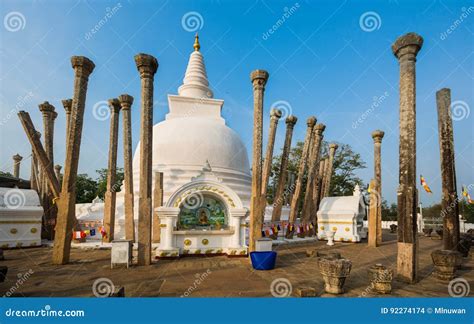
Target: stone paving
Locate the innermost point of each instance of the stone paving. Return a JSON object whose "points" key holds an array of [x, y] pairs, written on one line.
{"points": [[216, 276]]}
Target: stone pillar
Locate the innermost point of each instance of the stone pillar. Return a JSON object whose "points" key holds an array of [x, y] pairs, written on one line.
{"points": [[34, 172], [83, 67], [147, 65], [37, 166], [377, 137], [126, 102], [405, 49], [48, 112], [299, 180], [16, 165], [449, 199], [110, 192], [275, 115], [318, 183], [323, 179], [373, 215], [308, 212], [279, 197], [57, 171], [329, 169], [157, 202], [259, 79], [67, 104]]}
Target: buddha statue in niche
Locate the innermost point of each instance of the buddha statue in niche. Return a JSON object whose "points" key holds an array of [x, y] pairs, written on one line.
{"points": [[202, 217]]}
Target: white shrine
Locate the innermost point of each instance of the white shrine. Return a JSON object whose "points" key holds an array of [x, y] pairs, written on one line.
{"points": [[344, 216], [206, 174], [20, 218]]}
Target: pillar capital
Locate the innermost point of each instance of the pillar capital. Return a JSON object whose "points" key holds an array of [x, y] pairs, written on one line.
{"points": [[291, 120], [58, 168], [46, 108], [114, 105], [377, 135], [409, 43], [311, 121], [54, 115], [319, 128], [147, 65], [67, 104], [82, 65], [333, 146], [17, 158], [259, 78], [275, 114], [38, 134], [126, 101]]}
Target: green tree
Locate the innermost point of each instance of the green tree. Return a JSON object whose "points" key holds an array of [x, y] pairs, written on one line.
{"points": [[102, 182], [343, 180], [389, 213], [86, 189]]}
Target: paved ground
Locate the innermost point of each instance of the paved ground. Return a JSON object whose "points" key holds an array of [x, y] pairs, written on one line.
{"points": [[32, 274]]}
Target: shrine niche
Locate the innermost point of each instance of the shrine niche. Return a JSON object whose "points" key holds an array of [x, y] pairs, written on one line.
{"points": [[204, 216]]}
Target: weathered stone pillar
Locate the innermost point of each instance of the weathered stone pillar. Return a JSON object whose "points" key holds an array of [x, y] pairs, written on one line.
{"points": [[405, 49], [147, 65], [57, 171], [126, 102], [16, 165], [67, 104], [259, 79], [48, 112], [373, 217], [377, 137], [308, 213], [157, 202], [329, 169], [83, 67], [37, 166], [279, 197], [34, 172], [275, 115], [323, 179], [299, 180], [110, 192], [449, 199], [318, 182]]}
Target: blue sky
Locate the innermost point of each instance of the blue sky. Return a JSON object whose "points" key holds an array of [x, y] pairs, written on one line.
{"points": [[325, 60]]}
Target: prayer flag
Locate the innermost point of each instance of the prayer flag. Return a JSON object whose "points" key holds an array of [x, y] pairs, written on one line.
{"points": [[425, 185]]}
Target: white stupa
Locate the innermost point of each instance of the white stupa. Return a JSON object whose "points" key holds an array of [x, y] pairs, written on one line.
{"points": [[206, 173]]}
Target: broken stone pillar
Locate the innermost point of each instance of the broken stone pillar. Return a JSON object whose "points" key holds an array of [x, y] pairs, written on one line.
{"points": [[280, 195], [67, 104], [111, 191], [308, 213], [16, 165], [405, 49], [299, 180], [157, 202], [449, 198], [373, 217], [83, 67], [147, 65], [259, 79], [275, 115], [126, 102], [329, 169], [377, 137]]}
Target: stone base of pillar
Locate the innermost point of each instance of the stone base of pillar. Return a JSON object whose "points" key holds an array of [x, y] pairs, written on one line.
{"points": [[109, 216], [407, 262]]}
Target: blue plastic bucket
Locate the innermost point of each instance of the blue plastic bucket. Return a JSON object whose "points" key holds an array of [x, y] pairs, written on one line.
{"points": [[263, 260]]}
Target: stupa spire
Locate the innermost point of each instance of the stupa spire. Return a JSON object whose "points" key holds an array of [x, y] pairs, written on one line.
{"points": [[195, 83]]}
